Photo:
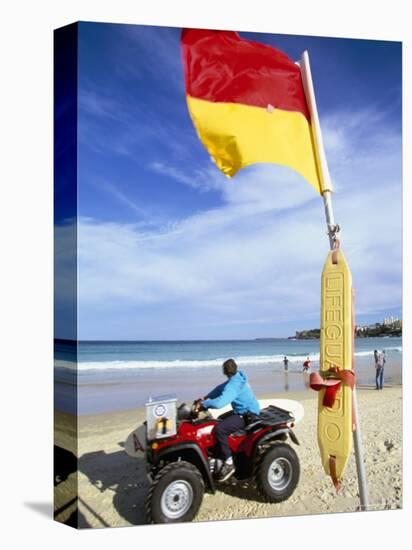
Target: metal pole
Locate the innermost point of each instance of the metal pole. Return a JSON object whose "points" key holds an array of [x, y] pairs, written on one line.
{"points": [[360, 463], [333, 229]]}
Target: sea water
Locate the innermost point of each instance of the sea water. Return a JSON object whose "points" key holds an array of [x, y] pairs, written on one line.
{"points": [[117, 375]]}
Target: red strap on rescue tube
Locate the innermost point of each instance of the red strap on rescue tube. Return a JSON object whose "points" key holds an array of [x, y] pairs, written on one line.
{"points": [[331, 385], [330, 395]]}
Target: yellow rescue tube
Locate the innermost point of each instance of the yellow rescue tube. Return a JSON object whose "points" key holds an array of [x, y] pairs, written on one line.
{"points": [[336, 342]]}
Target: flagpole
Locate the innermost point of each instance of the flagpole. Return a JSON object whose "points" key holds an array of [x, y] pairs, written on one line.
{"points": [[333, 230]]}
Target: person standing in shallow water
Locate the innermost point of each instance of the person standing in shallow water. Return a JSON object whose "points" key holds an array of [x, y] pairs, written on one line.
{"points": [[380, 364], [286, 368]]}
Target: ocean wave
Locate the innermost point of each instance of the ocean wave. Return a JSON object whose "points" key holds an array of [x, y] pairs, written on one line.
{"points": [[370, 352], [179, 363], [242, 361]]}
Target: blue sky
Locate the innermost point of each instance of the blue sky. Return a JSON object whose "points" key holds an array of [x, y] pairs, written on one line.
{"points": [[169, 248]]}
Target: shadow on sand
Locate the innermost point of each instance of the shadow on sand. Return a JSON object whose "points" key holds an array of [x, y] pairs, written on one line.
{"points": [[123, 481], [126, 478], [66, 502], [121, 476], [244, 489], [116, 473]]}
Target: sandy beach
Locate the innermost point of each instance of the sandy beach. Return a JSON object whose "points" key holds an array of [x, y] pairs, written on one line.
{"points": [[113, 486]]}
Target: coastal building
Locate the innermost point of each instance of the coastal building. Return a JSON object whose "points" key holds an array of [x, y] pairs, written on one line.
{"points": [[391, 326], [390, 320]]}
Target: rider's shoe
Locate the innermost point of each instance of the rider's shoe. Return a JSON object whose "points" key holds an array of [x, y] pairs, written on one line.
{"points": [[225, 472]]}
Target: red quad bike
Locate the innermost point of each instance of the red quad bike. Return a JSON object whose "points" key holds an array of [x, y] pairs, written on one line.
{"points": [[182, 460]]}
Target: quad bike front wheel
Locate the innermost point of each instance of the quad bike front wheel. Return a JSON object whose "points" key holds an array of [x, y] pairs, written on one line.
{"points": [[277, 472], [176, 494]]}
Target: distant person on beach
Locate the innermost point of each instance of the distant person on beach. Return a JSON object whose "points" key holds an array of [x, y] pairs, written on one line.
{"points": [[239, 394], [285, 363], [306, 365], [380, 365], [375, 355]]}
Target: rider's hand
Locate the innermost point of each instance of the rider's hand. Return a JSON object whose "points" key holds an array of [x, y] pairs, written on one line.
{"points": [[198, 405]]}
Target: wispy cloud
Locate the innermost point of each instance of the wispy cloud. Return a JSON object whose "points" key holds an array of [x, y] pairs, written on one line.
{"points": [[115, 192], [262, 250], [201, 179], [238, 267], [358, 141], [100, 105], [110, 125], [256, 188], [158, 52]]}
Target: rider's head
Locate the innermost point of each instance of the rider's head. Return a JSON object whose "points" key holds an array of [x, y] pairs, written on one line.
{"points": [[229, 368]]}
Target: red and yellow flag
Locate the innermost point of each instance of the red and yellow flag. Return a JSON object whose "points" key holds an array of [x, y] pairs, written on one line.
{"points": [[247, 103]]}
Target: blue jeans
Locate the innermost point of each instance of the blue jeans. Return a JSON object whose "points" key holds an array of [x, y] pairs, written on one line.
{"points": [[379, 378]]}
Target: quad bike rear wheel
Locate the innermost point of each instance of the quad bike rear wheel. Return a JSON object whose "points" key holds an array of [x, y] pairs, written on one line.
{"points": [[277, 472], [176, 494]]}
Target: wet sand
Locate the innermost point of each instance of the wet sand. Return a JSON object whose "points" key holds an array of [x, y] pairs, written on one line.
{"points": [[190, 383]]}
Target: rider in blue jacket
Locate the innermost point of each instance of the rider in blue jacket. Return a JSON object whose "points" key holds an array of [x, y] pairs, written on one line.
{"points": [[238, 393]]}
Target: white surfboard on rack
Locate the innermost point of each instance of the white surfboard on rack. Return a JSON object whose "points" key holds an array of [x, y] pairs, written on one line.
{"points": [[290, 405]]}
